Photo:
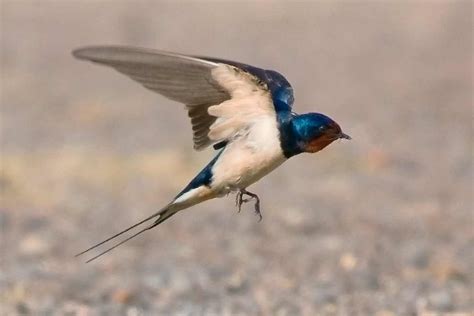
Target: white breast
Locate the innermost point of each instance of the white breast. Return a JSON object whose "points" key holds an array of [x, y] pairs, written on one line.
{"points": [[250, 156]]}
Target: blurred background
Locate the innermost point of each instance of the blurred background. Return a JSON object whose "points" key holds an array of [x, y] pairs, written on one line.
{"points": [[379, 225]]}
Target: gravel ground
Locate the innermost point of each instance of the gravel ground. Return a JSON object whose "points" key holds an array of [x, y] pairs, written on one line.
{"points": [[381, 225]]}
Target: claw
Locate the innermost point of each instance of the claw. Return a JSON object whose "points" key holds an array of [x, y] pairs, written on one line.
{"points": [[239, 200]]}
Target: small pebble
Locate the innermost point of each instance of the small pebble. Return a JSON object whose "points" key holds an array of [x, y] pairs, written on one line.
{"points": [[33, 245], [122, 296], [385, 313], [348, 262], [441, 301], [235, 283], [22, 308]]}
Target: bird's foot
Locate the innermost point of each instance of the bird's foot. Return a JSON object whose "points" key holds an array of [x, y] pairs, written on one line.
{"points": [[239, 200]]}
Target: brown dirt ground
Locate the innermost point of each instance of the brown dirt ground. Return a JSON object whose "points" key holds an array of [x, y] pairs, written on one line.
{"points": [[380, 225]]}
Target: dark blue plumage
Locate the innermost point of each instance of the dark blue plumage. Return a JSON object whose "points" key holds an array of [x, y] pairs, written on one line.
{"points": [[297, 132], [202, 178], [310, 126]]}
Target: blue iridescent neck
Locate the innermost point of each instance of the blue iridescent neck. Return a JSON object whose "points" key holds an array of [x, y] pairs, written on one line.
{"points": [[288, 139]]}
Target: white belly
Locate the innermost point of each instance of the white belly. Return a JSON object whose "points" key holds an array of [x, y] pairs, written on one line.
{"points": [[248, 158]]}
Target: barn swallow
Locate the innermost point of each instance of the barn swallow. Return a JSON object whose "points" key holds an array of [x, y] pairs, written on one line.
{"points": [[243, 112]]}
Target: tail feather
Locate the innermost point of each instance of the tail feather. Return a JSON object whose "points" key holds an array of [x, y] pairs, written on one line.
{"points": [[162, 215], [191, 196]]}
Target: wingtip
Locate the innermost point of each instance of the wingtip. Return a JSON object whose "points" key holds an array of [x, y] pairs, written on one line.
{"points": [[96, 52], [87, 52], [80, 53], [120, 53], [106, 52]]}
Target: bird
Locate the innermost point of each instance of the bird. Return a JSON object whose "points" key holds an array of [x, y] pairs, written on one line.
{"points": [[244, 112]]}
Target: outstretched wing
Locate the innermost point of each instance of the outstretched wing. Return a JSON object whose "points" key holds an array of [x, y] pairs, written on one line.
{"points": [[222, 97]]}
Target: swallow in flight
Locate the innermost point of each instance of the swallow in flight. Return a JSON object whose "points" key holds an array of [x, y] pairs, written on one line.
{"points": [[243, 112]]}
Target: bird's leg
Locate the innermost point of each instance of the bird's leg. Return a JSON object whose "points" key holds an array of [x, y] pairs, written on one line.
{"points": [[239, 200]]}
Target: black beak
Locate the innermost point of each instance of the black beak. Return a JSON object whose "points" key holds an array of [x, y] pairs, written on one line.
{"points": [[345, 136]]}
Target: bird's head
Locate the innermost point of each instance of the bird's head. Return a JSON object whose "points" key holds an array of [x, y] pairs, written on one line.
{"points": [[316, 131]]}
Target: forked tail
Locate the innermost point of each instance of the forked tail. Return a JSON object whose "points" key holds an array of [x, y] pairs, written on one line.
{"points": [[191, 195], [162, 215]]}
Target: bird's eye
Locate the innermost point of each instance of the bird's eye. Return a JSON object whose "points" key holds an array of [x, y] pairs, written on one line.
{"points": [[322, 128]]}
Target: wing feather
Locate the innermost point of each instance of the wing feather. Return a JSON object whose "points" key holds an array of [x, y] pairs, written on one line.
{"points": [[222, 99], [251, 100], [180, 78]]}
